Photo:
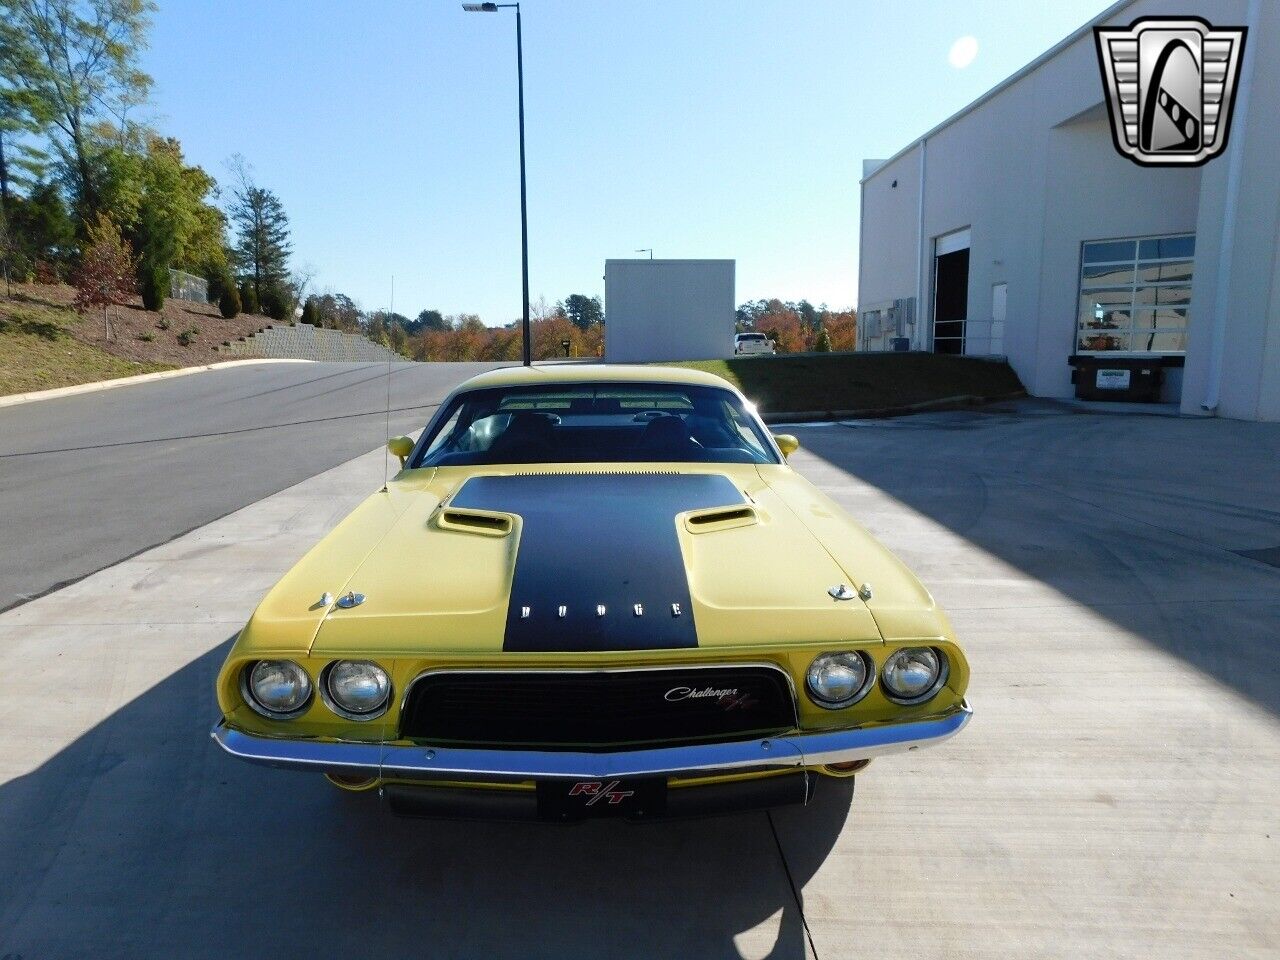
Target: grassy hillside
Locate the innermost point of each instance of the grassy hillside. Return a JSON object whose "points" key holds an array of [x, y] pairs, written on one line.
{"points": [[45, 344], [39, 352], [831, 382]]}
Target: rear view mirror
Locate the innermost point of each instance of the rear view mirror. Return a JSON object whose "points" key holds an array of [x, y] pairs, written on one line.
{"points": [[401, 447], [786, 443]]}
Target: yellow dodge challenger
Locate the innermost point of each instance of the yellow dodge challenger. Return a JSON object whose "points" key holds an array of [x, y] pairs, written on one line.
{"points": [[592, 591]]}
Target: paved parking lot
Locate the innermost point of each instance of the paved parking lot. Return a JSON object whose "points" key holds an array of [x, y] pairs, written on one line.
{"points": [[1117, 794]]}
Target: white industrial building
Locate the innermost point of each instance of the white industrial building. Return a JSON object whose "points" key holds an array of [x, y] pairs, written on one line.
{"points": [[668, 310], [1025, 233]]}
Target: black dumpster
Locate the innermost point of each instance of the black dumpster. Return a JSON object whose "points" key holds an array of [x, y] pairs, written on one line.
{"points": [[1133, 379]]}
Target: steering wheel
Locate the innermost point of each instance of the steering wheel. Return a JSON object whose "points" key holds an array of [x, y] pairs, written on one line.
{"points": [[647, 415]]}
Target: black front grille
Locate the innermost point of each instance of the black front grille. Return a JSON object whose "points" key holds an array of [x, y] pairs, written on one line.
{"points": [[595, 710]]}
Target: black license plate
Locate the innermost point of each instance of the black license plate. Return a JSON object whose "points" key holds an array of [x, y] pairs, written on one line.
{"points": [[637, 799]]}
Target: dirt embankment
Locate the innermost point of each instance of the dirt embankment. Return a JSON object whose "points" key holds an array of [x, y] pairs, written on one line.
{"points": [[180, 334]]}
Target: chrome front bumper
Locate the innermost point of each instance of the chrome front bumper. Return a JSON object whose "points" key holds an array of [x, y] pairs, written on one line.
{"points": [[398, 762]]}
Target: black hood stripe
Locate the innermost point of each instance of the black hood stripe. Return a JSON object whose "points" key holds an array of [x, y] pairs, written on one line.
{"points": [[591, 540]]}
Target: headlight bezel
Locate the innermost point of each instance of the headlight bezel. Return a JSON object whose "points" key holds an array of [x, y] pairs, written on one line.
{"points": [[260, 708], [940, 681], [868, 680], [331, 701]]}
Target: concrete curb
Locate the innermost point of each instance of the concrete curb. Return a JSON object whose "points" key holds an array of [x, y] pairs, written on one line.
{"points": [[957, 402], [15, 398]]}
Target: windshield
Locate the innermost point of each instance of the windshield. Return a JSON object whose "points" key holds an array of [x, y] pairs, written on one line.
{"points": [[600, 422], [751, 336]]}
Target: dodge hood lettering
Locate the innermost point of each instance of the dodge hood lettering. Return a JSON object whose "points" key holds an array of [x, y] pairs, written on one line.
{"points": [[585, 542]]}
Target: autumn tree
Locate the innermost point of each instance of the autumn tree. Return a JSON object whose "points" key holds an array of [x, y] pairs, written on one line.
{"points": [[799, 326], [842, 327], [106, 273]]}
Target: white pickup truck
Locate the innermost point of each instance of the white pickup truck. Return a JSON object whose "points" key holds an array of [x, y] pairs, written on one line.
{"points": [[749, 343]]}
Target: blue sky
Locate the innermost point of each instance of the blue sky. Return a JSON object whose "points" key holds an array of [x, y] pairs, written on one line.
{"points": [[707, 128]]}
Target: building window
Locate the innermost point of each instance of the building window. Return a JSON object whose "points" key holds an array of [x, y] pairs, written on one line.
{"points": [[1135, 295]]}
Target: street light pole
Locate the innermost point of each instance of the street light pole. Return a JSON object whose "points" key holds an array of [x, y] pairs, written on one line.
{"points": [[527, 351], [524, 209]]}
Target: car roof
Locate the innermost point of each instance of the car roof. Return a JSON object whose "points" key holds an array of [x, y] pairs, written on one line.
{"points": [[570, 373]]}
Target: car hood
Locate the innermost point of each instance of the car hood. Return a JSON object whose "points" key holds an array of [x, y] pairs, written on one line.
{"points": [[578, 561]]}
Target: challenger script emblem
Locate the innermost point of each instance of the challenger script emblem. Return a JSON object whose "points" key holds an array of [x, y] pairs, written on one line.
{"points": [[1170, 86], [698, 693], [728, 698]]}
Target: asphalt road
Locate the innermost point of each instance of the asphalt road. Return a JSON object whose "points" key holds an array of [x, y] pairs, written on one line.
{"points": [[90, 479], [1117, 794]]}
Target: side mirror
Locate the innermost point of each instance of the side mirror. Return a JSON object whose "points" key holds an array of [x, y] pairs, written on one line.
{"points": [[401, 447], [786, 443]]}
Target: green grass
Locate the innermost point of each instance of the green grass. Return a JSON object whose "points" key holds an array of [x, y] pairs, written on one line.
{"points": [[37, 352], [829, 382]]}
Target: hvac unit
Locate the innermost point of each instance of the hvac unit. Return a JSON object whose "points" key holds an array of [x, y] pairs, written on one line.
{"points": [[904, 312]]}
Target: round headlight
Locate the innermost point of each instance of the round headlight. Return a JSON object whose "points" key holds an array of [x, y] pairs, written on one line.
{"points": [[279, 689], [838, 679], [356, 689], [913, 674]]}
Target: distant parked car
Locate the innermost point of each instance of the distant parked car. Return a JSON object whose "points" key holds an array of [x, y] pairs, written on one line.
{"points": [[747, 343]]}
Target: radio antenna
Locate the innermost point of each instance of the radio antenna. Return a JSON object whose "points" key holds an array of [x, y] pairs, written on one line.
{"points": [[386, 451]]}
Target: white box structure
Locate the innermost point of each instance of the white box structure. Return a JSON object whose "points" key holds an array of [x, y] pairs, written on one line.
{"points": [[668, 310]]}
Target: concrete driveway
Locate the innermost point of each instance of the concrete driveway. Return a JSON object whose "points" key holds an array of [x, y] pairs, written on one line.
{"points": [[1117, 795]]}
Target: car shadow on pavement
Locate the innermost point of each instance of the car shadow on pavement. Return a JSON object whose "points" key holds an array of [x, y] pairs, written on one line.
{"points": [[141, 838], [1150, 522]]}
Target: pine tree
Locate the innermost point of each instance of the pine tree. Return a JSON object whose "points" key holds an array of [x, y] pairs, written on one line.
{"points": [[229, 303], [153, 283], [262, 247], [310, 312], [248, 298], [277, 302]]}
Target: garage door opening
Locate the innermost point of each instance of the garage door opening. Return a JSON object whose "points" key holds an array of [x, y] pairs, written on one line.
{"points": [[950, 291]]}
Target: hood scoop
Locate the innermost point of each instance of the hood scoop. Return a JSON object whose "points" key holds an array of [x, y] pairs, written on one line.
{"points": [[488, 523], [720, 518]]}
